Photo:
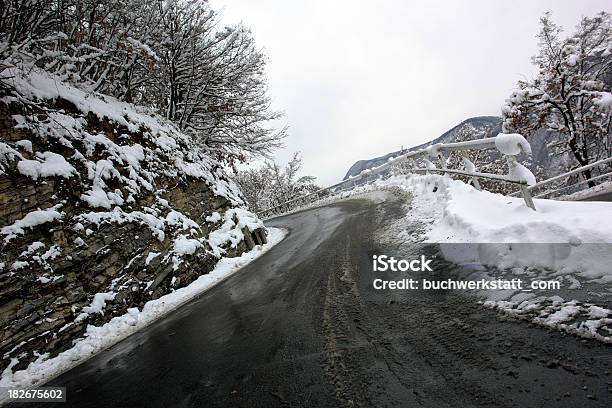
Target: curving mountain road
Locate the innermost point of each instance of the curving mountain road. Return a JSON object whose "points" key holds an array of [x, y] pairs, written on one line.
{"points": [[302, 327]]}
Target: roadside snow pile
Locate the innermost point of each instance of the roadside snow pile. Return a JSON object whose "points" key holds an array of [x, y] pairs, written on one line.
{"points": [[460, 213], [99, 338], [573, 232], [564, 241]]}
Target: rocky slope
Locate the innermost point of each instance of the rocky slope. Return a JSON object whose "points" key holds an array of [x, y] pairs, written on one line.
{"points": [[103, 207]]}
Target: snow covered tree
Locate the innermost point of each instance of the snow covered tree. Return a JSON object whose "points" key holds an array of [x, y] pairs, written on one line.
{"points": [[94, 44], [169, 55], [272, 184], [211, 82], [571, 92]]}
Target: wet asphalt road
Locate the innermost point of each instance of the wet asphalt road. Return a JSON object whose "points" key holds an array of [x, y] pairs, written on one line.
{"points": [[302, 327]]}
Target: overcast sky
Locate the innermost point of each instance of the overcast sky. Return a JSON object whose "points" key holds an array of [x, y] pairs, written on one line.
{"points": [[358, 79]]}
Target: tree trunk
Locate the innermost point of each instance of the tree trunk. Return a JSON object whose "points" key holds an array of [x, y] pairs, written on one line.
{"points": [[582, 160]]}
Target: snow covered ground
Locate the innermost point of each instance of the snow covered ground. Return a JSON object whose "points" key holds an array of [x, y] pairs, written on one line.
{"points": [[99, 338]]}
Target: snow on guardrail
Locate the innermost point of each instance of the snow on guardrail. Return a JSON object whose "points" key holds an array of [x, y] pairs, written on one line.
{"points": [[565, 176], [508, 144]]}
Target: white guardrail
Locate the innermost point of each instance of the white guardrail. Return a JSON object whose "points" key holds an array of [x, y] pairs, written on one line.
{"points": [[509, 145]]}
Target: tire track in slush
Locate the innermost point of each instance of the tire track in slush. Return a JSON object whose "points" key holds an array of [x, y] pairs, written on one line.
{"points": [[352, 343]]}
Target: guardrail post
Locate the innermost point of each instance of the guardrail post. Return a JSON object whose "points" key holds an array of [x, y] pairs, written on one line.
{"points": [[527, 197], [471, 168], [510, 145], [512, 164], [442, 160], [429, 166]]}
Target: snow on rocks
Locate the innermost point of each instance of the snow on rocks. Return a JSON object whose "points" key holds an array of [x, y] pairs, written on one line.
{"points": [[231, 231], [185, 246], [48, 164], [180, 220], [31, 220], [137, 209], [214, 217], [99, 302], [118, 216], [162, 151], [7, 156]]}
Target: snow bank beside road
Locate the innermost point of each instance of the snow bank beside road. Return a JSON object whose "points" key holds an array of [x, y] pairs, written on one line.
{"points": [[572, 237], [100, 338], [469, 215], [457, 212]]}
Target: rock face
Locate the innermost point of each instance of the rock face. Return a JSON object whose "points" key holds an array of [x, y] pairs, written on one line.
{"points": [[102, 208]]}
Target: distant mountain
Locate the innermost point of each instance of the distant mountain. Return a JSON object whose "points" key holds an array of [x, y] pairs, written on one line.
{"points": [[542, 163]]}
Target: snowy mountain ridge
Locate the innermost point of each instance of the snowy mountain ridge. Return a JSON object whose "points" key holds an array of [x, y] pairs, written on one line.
{"points": [[541, 162], [472, 128]]}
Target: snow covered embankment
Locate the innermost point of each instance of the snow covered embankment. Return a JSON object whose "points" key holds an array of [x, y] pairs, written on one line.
{"points": [[104, 206], [498, 236], [97, 339]]}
